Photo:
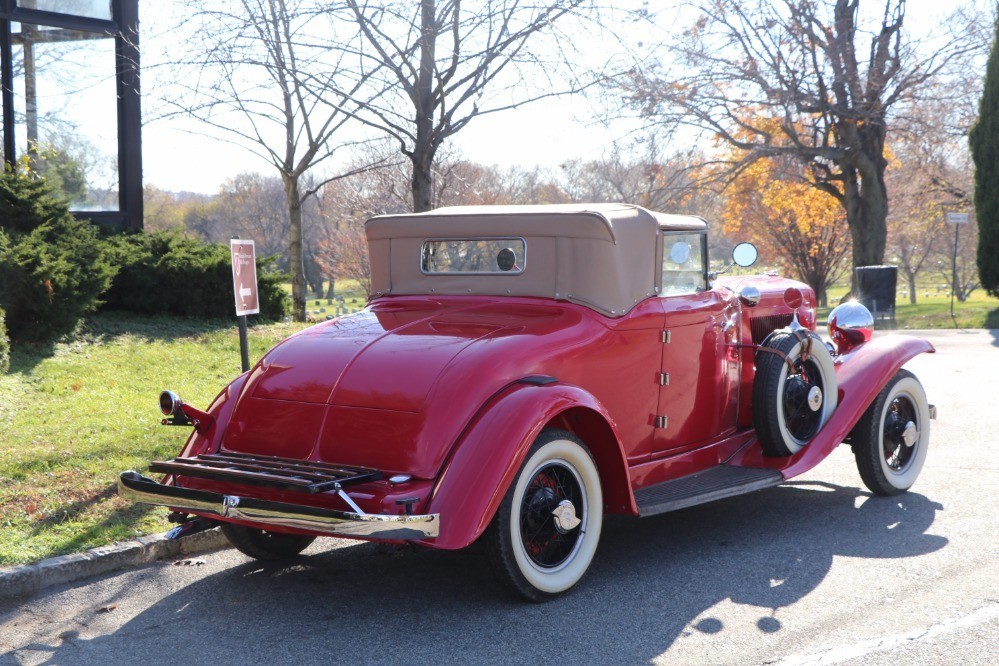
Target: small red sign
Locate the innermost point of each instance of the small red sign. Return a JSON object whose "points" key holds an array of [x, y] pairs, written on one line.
{"points": [[244, 276]]}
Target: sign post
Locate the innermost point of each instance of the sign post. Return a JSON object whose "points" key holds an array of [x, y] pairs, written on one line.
{"points": [[244, 287], [957, 219]]}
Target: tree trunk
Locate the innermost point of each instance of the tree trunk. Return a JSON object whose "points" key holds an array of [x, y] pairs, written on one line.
{"points": [[331, 292], [295, 248], [912, 289], [865, 198], [422, 185], [315, 286], [425, 145]]}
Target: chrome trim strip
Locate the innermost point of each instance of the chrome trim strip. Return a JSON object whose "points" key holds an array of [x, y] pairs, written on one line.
{"points": [[137, 488]]}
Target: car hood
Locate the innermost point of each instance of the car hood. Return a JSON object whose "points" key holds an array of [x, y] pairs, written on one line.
{"points": [[391, 386]]}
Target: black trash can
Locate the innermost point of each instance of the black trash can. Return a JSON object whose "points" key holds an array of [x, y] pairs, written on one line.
{"points": [[876, 286]]}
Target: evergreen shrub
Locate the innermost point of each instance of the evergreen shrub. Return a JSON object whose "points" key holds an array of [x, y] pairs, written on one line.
{"points": [[53, 267], [984, 141], [166, 273], [27, 200]]}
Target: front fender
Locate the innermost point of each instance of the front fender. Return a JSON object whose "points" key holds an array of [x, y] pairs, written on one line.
{"points": [[493, 447], [860, 375]]}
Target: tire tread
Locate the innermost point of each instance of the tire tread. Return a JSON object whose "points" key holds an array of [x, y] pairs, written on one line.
{"points": [[765, 415], [267, 546]]}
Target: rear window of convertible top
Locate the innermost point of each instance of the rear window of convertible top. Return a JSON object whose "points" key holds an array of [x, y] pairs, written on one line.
{"points": [[492, 256]]}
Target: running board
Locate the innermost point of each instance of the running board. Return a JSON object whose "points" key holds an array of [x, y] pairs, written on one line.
{"points": [[707, 486]]}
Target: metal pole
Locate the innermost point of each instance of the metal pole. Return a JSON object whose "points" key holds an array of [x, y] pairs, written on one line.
{"points": [[953, 280], [7, 92], [244, 343]]}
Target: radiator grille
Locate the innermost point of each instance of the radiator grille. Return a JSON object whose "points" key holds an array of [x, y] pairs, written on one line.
{"points": [[762, 326]]}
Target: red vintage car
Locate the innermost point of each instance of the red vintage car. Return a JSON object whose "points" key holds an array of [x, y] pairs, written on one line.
{"points": [[521, 371]]}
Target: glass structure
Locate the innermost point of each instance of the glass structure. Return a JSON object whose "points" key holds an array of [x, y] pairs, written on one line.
{"points": [[70, 86]]}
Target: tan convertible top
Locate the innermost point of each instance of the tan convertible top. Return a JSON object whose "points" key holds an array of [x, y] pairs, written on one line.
{"points": [[605, 256]]}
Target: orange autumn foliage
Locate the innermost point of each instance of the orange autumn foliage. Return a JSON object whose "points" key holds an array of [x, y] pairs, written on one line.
{"points": [[795, 225]]}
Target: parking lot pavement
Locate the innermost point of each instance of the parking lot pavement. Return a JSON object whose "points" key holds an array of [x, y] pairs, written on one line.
{"points": [[815, 571]]}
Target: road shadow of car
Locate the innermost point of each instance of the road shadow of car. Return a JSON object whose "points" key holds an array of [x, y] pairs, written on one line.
{"points": [[654, 580]]}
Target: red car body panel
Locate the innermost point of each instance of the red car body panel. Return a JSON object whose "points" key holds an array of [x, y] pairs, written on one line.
{"points": [[490, 453], [410, 384]]}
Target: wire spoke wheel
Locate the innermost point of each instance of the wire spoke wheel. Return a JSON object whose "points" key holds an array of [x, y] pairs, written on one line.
{"points": [[548, 543], [545, 532], [890, 441], [900, 413], [802, 419], [794, 391]]}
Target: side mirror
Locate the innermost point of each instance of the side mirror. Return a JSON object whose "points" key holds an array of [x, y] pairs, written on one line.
{"points": [[745, 255]]}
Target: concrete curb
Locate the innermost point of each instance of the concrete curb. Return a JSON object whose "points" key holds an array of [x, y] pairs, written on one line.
{"points": [[26, 580]]}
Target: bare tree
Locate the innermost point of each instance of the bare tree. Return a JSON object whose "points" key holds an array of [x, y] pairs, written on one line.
{"points": [[958, 269], [263, 76], [251, 205], [646, 171], [831, 72], [436, 65], [913, 240], [931, 173], [921, 179]]}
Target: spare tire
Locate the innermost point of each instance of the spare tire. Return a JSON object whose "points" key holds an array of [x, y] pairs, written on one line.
{"points": [[794, 392]]}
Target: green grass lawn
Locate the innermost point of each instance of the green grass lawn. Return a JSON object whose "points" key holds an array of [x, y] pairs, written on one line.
{"points": [[933, 311], [73, 415]]}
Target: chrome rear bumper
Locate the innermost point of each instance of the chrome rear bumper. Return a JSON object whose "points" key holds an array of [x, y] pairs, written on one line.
{"points": [[137, 488]]}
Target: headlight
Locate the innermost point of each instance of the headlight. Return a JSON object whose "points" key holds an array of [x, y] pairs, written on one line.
{"points": [[850, 324]]}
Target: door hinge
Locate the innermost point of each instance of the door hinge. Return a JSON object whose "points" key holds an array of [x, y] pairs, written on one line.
{"points": [[662, 421], [666, 337], [664, 379]]}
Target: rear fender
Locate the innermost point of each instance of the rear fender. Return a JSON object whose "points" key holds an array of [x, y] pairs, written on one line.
{"points": [[860, 375], [493, 447], [210, 439]]}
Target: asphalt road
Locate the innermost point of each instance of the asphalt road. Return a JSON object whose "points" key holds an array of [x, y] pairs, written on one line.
{"points": [[812, 572]]}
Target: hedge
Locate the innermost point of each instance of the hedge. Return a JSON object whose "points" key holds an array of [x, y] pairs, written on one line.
{"points": [[166, 273]]}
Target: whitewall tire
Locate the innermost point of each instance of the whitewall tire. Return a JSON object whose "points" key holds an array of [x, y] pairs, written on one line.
{"points": [[545, 533], [794, 391], [891, 439]]}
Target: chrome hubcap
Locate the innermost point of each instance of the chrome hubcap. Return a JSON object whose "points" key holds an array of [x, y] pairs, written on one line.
{"points": [[814, 398], [565, 517]]}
